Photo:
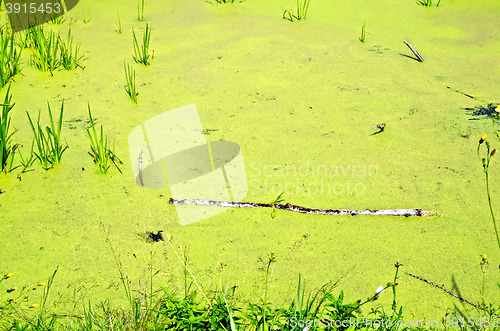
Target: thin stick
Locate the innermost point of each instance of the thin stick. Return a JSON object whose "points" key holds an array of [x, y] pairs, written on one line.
{"points": [[299, 209], [414, 51], [449, 292]]}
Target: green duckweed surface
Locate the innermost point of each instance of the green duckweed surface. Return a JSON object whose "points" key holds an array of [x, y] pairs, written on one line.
{"points": [[303, 94]]}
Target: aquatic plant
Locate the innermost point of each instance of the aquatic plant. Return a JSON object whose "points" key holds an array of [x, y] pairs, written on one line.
{"points": [[10, 56], [222, 1], [302, 7], [119, 27], [68, 59], [363, 33], [101, 153], [427, 3], [141, 54], [86, 18], [486, 164], [57, 19], [51, 51], [45, 49], [7, 146], [27, 162], [140, 10], [130, 79], [50, 148]]}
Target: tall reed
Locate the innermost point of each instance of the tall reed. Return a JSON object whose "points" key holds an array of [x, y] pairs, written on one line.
{"points": [[140, 10], [50, 51], [7, 146], [302, 7], [45, 49], [68, 59], [141, 54], [10, 56], [50, 148], [130, 79], [100, 152]]}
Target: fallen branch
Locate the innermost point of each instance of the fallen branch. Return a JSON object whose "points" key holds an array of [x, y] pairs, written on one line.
{"points": [[414, 51], [449, 292], [299, 209]]}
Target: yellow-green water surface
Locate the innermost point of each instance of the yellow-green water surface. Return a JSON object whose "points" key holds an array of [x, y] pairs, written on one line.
{"points": [[303, 94]]}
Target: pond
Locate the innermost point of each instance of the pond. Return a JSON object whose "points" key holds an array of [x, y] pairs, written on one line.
{"points": [[302, 100]]}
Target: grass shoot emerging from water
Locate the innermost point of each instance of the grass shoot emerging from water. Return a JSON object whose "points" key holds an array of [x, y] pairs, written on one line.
{"points": [[141, 54], [427, 3], [51, 52], [140, 10], [86, 18], [70, 60], [7, 146], [302, 7], [49, 147], [118, 28], [130, 79], [100, 152], [363, 33]]}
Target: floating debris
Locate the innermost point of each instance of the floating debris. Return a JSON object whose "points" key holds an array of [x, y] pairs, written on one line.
{"points": [[490, 110], [154, 237]]}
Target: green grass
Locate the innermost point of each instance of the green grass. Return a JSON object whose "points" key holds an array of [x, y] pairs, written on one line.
{"points": [[70, 59], [45, 49], [140, 10], [130, 79], [50, 51], [302, 7], [86, 18], [218, 309], [363, 33], [7, 146], [141, 53], [48, 142], [427, 3], [10, 56], [119, 27], [101, 153]]}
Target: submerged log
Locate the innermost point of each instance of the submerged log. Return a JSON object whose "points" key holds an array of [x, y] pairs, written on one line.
{"points": [[300, 209]]}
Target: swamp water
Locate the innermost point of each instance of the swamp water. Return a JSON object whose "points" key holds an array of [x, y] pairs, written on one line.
{"points": [[297, 98]]}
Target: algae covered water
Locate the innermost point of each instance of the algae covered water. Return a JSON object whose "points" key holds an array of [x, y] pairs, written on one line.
{"points": [[301, 100]]}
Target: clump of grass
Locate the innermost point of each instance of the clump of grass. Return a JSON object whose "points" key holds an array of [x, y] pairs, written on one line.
{"points": [[57, 19], [119, 27], [45, 49], [363, 33], [130, 79], [50, 148], [10, 56], [140, 10], [86, 18], [68, 59], [50, 51], [427, 3], [302, 7], [101, 153], [7, 146], [141, 54]]}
